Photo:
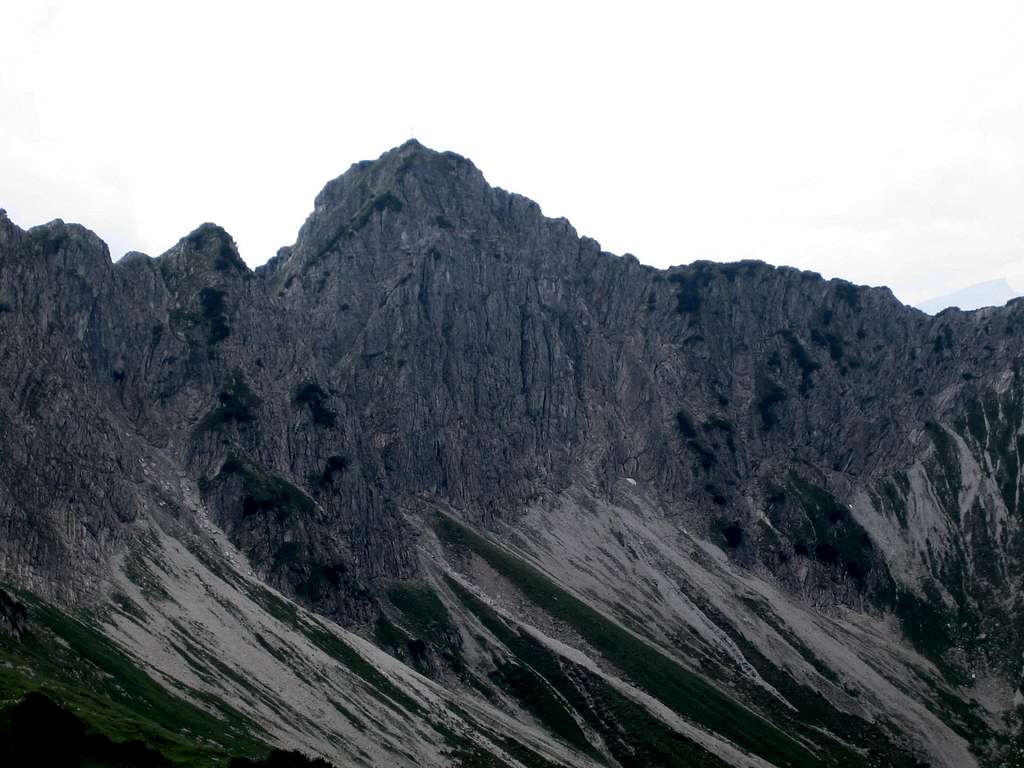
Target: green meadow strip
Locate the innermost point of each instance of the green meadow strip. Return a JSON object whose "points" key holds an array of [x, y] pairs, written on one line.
{"points": [[686, 693]]}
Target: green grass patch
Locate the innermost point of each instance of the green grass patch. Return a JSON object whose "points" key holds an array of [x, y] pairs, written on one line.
{"points": [[336, 648], [346, 655], [857, 742], [349, 657], [388, 636], [685, 692], [379, 202], [216, 239], [211, 302], [313, 397], [769, 396], [943, 469], [538, 698], [266, 493], [807, 364], [422, 608], [334, 468], [990, 426], [926, 622], [37, 731], [81, 670], [839, 539], [631, 733], [691, 439], [689, 289], [139, 572], [237, 405]]}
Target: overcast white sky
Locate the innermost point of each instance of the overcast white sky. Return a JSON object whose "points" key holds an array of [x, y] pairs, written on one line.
{"points": [[880, 142]]}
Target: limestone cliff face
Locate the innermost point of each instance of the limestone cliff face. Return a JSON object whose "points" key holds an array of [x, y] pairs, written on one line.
{"points": [[433, 343]]}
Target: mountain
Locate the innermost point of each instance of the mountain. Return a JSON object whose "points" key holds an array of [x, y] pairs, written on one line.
{"points": [[994, 293], [446, 484]]}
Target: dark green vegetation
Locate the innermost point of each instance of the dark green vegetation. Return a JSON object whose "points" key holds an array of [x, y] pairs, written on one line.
{"points": [[426, 624], [733, 535], [466, 753], [453, 382], [265, 493], [632, 734], [688, 290], [378, 202], [943, 469], [926, 622], [686, 693], [124, 718], [891, 494], [238, 405], [48, 242], [388, 636], [858, 742], [835, 538], [692, 282], [769, 396], [990, 425], [830, 341], [537, 698], [334, 468], [312, 397], [724, 428], [807, 364], [211, 302], [337, 649], [943, 341], [847, 292], [74, 666], [36, 731], [685, 424], [965, 598], [422, 609], [210, 236], [691, 439]]}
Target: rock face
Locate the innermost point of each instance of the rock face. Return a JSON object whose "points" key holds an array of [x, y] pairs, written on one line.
{"points": [[800, 489], [12, 615]]}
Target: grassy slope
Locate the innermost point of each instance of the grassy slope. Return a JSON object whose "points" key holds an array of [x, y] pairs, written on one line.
{"points": [[632, 734], [76, 666], [688, 694]]}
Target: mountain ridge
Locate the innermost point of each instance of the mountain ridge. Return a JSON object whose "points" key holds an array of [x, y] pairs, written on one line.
{"points": [[514, 462]]}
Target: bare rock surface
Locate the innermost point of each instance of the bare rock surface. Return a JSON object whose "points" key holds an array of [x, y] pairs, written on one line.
{"points": [[446, 424]]}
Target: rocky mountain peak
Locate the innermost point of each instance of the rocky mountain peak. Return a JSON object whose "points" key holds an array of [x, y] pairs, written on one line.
{"points": [[70, 246], [408, 188], [560, 483], [8, 230], [207, 248], [370, 179]]}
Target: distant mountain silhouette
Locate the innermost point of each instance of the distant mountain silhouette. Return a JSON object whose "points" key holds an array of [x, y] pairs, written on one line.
{"points": [[993, 293]]}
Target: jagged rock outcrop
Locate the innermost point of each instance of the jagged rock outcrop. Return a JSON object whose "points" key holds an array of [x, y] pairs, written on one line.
{"points": [[13, 615], [800, 488]]}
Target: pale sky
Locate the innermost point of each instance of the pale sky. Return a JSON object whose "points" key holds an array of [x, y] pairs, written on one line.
{"points": [[879, 142]]}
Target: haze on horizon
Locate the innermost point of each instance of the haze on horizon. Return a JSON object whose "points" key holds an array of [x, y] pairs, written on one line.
{"points": [[878, 142]]}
